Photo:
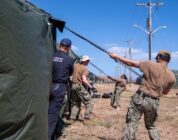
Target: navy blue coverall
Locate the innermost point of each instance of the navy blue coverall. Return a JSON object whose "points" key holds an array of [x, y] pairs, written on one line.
{"points": [[62, 69]]}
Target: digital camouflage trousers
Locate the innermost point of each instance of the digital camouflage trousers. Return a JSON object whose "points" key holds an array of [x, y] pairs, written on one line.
{"points": [[79, 95], [141, 105], [115, 97]]}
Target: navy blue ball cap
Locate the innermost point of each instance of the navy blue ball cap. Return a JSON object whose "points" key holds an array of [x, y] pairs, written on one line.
{"points": [[66, 42]]}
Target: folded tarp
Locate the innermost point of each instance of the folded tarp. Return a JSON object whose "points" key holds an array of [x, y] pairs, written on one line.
{"points": [[26, 48]]}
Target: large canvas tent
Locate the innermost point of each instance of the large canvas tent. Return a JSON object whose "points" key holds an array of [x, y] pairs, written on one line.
{"points": [[27, 43], [26, 47]]}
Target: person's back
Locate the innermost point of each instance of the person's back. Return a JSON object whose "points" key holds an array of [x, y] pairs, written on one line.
{"points": [[157, 77], [79, 70], [62, 67], [121, 83]]}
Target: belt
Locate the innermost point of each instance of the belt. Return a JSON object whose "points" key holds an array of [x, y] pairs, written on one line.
{"points": [[141, 93]]}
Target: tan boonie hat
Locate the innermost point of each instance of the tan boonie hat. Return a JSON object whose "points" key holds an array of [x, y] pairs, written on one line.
{"points": [[85, 58], [163, 54]]}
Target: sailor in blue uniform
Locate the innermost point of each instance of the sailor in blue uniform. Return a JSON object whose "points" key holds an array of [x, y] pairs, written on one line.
{"points": [[61, 71]]}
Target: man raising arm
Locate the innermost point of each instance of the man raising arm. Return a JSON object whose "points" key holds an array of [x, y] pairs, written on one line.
{"points": [[157, 80]]}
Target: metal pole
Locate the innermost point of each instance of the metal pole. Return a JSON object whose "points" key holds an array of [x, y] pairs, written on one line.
{"points": [[149, 44], [150, 29], [125, 57], [130, 53]]}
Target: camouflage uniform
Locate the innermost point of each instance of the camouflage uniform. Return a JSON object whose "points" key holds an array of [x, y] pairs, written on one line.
{"points": [[79, 94], [120, 86], [141, 104], [116, 97], [157, 80], [63, 106]]}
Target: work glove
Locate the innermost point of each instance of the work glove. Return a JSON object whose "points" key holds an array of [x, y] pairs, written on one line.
{"points": [[94, 90]]}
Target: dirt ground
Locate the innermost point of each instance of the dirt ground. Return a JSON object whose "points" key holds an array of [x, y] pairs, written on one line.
{"points": [[108, 123]]}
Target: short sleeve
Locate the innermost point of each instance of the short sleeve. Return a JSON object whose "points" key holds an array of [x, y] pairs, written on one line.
{"points": [[144, 65]]}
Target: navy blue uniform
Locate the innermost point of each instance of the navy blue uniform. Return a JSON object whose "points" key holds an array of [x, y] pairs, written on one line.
{"points": [[62, 69]]}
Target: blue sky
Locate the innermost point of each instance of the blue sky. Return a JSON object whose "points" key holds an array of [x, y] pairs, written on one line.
{"points": [[109, 24]]}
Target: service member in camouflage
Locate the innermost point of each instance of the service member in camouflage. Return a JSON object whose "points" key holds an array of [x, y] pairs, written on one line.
{"points": [[157, 81], [79, 90], [120, 86]]}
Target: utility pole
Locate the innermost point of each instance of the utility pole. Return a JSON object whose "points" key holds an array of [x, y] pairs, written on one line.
{"points": [[149, 31], [117, 71], [130, 54], [129, 43], [125, 57]]}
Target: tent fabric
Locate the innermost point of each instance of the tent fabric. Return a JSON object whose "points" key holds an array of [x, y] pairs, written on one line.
{"points": [[26, 48]]}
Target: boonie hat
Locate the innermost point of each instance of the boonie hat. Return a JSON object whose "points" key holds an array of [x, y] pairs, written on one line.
{"points": [[85, 58], [163, 54], [66, 42]]}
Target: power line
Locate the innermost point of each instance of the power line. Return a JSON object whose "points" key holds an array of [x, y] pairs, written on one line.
{"points": [[149, 30]]}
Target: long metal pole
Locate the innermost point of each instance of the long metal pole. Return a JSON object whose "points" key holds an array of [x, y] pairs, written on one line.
{"points": [[149, 44], [150, 29], [102, 49], [130, 53]]}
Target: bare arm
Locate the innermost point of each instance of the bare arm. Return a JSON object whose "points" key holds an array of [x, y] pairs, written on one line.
{"points": [[126, 61], [85, 81]]}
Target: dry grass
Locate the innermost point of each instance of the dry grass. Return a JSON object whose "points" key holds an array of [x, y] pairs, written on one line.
{"points": [[110, 123]]}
